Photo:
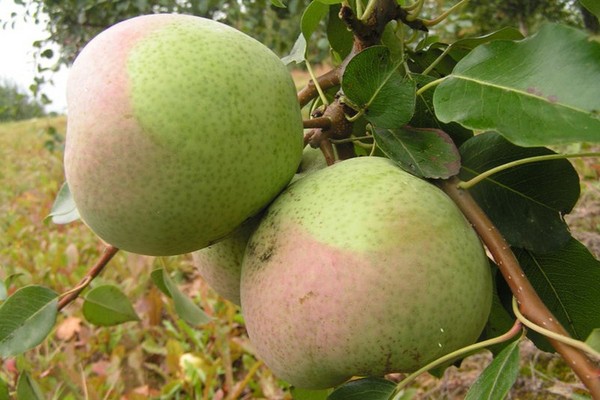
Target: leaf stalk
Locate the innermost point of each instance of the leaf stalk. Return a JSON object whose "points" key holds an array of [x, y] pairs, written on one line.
{"points": [[548, 333], [512, 332], [484, 175]]}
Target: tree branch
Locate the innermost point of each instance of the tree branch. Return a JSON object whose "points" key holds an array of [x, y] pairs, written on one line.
{"points": [[319, 122], [529, 302], [326, 81], [71, 295]]}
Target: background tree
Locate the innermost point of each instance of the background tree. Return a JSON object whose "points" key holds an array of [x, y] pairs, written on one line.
{"points": [[16, 104], [524, 15]]}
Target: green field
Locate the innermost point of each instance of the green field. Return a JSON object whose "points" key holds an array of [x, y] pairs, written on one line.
{"points": [[161, 356]]}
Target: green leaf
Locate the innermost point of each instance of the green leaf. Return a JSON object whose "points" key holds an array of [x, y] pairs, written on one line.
{"points": [[364, 389], [339, 37], [28, 388], [540, 91], [157, 278], [311, 18], [3, 390], [568, 282], [426, 153], [424, 116], [184, 306], [526, 202], [460, 48], [26, 318], [106, 305], [592, 6], [3, 291], [330, 1], [278, 3], [305, 394], [371, 82], [64, 209], [298, 52], [498, 377], [48, 53], [593, 339]]}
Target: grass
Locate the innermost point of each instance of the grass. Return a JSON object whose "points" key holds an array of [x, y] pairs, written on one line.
{"points": [[161, 356]]}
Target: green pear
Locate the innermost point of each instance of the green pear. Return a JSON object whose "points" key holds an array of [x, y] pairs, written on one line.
{"points": [[362, 269], [179, 129], [220, 264]]}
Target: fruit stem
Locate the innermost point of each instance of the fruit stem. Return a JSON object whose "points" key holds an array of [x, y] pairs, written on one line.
{"points": [[516, 328], [543, 331], [472, 182], [529, 302], [72, 294]]}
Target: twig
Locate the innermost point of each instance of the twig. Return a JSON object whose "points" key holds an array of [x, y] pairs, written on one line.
{"points": [[72, 294], [319, 122], [529, 302], [328, 80]]}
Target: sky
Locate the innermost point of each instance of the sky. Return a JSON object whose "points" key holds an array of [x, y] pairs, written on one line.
{"points": [[16, 56]]}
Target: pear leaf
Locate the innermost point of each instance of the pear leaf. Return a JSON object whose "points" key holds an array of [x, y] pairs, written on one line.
{"points": [[64, 209], [526, 202], [424, 116], [539, 91], [371, 388], [373, 85], [184, 306], [298, 52], [159, 281], [592, 6], [496, 380], [26, 318], [3, 291], [3, 390], [306, 394], [278, 3], [426, 153], [339, 36], [106, 305], [568, 282], [28, 388], [311, 18], [593, 340]]}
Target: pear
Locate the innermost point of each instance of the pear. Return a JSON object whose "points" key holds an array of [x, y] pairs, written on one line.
{"points": [[220, 264], [361, 269], [179, 129]]}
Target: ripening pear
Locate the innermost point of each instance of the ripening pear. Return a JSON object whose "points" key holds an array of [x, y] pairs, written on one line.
{"points": [[179, 129], [362, 269], [220, 264]]}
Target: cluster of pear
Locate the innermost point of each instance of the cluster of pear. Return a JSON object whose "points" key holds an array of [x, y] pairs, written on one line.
{"points": [[185, 135]]}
